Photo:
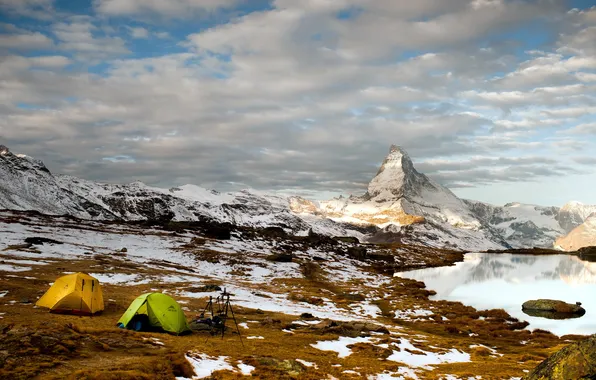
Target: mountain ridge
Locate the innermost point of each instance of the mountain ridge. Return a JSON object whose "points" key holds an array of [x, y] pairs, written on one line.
{"points": [[401, 203]]}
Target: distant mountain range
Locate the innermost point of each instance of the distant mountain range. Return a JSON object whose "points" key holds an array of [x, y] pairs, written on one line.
{"points": [[400, 204]]}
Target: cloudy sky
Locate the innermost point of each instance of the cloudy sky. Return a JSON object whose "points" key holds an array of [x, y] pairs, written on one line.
{"points": [[493, 98]]}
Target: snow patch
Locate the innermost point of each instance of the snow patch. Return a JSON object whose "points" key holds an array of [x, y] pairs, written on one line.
{"points": [[204, 365], [425, 358], [13, 268], [340, 346]]}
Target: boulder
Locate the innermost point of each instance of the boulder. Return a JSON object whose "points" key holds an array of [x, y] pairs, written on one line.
{"points": [[554, 306], [576, 361], [552, 309]]}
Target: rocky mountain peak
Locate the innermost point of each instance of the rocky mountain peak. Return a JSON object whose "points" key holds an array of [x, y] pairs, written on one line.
{"points": [[396, 176], [4, 150]]}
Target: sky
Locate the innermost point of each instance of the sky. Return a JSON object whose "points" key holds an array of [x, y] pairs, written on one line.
{"points": [[494, 99]]}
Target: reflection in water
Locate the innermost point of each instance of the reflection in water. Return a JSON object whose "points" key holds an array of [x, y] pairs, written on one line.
{"points": [[494, 281], [551, 314]]}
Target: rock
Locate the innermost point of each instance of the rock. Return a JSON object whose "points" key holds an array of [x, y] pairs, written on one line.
{"points": [[270, 321], [274, 232], [124, 250], [317, 240], [204, 289], [196, 326], [219, 232], [558, 308], [348, 239], [287, 368], [323, 325], [41, 241], [587, 253], [197, 241], [352, 296], [576, 361], [358, 253], [280, 257], [307, 316], [351, 329]]}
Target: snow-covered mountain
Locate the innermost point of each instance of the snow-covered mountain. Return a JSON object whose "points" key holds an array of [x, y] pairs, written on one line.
{"points": [[409, 207], [521, 225], [400, 204], [26, 184], [573, 214]]}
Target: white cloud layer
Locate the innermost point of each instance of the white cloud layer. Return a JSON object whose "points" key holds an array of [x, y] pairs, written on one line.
{"points": [[295, 97]]}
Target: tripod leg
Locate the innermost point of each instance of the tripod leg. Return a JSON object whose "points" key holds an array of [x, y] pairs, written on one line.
{"points": [[237, 328], [225, 319]]}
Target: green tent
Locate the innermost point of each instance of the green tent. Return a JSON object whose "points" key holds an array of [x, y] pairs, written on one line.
{"points": [[158, 311]]}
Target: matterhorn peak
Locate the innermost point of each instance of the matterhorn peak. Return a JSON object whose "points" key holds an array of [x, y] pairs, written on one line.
{"points": [[395, 173], [4, 150]]}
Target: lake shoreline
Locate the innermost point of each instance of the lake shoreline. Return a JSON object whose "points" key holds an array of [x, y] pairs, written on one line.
{"points": [[512, 280]]}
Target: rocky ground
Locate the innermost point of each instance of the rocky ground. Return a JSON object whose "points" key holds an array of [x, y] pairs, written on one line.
{"points": [[309, 307]]}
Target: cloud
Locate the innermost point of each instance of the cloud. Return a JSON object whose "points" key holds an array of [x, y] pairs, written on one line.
{"points": [[545, 96], [24, 41], [585, 160], [162, 35], [526, 123], [488, 170], [305, 96], [569, 111], [83, 38], [569, 145], [170, 8], [138, 32], [39, 9], [551, 68], [583, 129]]}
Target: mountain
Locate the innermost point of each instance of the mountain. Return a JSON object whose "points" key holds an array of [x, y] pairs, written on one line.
{"points": [[581, 236], [408, 207], [573, 214], [521, 225], [400, 205], [26, 184]]}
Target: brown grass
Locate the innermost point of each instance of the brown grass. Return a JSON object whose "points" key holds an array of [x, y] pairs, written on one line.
{"points": [[94, 348]]}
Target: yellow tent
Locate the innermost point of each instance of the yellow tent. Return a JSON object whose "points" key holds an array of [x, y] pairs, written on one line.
{"points": [[76, 293]]}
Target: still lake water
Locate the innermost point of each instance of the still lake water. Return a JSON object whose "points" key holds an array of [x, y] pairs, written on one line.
{"points": [[505, 281]]}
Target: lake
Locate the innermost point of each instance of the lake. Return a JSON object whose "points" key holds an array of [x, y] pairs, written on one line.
{"points": [[505, 281]]}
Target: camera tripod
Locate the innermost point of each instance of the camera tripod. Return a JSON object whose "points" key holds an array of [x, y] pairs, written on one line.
{"points": [[219, 317]]}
